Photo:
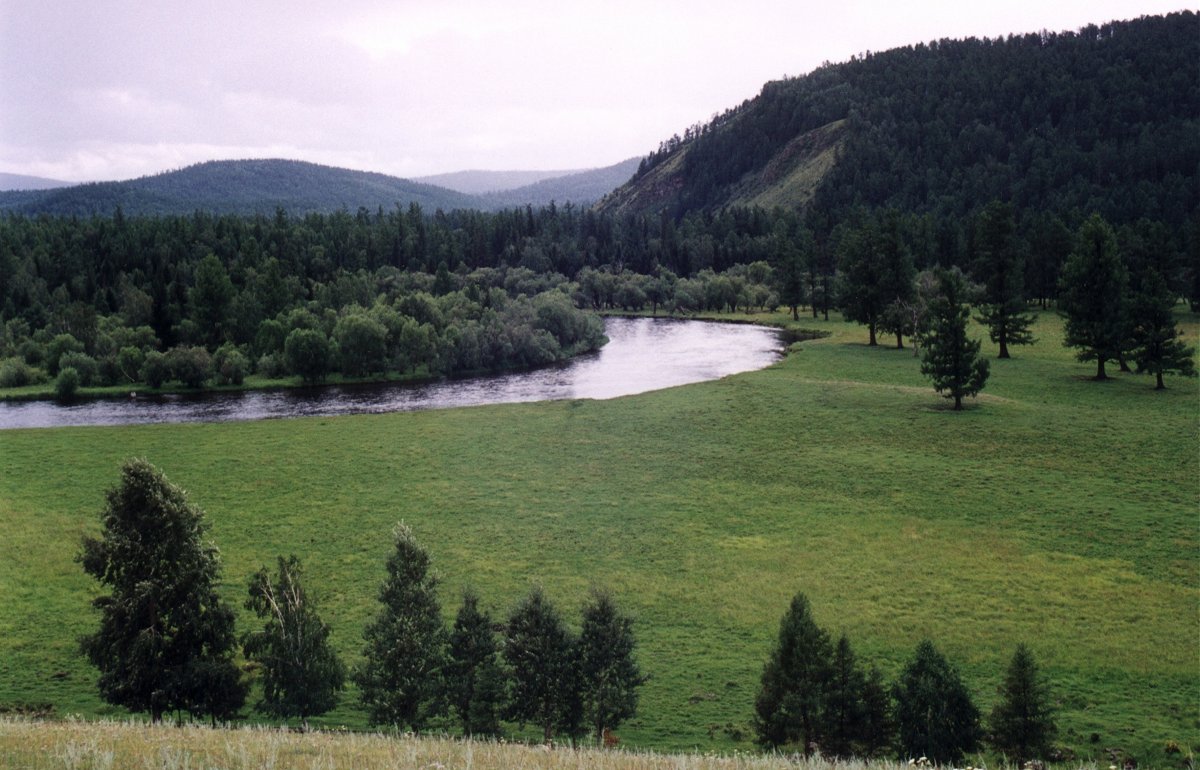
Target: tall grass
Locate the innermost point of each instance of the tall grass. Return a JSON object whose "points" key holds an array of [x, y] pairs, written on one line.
{"points": [[113, 745]]}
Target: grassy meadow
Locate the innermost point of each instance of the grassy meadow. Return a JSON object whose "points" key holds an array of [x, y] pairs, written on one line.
{"points": [[1055, 510]]}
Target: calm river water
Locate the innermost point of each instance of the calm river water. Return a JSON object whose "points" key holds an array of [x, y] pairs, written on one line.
{"points": [[642, 354]]}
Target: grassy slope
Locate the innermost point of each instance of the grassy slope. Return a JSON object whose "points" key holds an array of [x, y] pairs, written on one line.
{"points": [[1059, 511]]}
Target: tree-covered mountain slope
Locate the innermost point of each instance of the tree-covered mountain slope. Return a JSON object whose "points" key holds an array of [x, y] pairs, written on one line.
{"points": [[1104, 119], [240, 187], [582, 187]]}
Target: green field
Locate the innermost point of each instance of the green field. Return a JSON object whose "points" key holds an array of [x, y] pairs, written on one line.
{"points": [[1056, 511]]}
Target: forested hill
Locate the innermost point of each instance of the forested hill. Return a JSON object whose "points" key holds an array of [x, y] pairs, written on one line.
{"points": [[240, 187], [1105, 119], [582, 187]]}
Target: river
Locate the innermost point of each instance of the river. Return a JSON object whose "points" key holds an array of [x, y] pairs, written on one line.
{"points": [[642, 354]]}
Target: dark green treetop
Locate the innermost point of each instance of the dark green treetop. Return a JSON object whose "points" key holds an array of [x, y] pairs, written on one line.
{"points": [[400, 682], [935, 716], [791, 704], [540, 652], [950, 358], [1023, 721], [165, 640], [609, 675]]}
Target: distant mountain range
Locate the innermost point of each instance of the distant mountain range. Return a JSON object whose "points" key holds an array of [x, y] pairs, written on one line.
{"points": [[477, 182], [23, 182], [262, 186]]}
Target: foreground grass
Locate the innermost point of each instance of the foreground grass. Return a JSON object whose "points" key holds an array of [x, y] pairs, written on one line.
{"points": [[102, 746], [1056, 511]]}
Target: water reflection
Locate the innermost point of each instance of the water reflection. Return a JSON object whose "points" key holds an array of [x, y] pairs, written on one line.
{"points": [[642, 354]]}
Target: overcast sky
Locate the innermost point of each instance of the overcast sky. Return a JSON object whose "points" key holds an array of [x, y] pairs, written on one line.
{"points": [[93, 90]]}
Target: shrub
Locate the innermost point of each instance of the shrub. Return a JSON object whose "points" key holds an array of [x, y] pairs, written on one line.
{"points": [[66, 385], [15, 373], [230, 365], [129, 362], [84, 365], [155, 369], [190, 365], [59, 346], [272, 365]]}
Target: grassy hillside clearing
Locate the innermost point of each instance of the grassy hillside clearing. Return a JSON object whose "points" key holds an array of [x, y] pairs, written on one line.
{"points": [[1059, 511]]}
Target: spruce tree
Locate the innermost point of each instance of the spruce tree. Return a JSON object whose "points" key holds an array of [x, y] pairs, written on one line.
{"points": [[791, 705], [540, 652], [1092, 296], [898, 288], [1155, 338], [400, 681], [472, 670], [302, 675], [878, 728], [166, 640], [935, 717], [950, 358], [1023, 722], [862, 291], [1001, 270], [845, 709], [609, 675]]}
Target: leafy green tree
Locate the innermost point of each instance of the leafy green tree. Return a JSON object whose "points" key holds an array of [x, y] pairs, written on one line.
{"points": [[999, 267], [309, 354], [950, 358], [1156, 344], [791, 705], [935, 716], [155, 369], [609, 675], [473, 671], [190, 364], [845, 710], [540, 652], [362, 343], [401, 680], [1023, 721], [61, 345], [165, 641], [302, 675], [1092, 295], [230, 365]]}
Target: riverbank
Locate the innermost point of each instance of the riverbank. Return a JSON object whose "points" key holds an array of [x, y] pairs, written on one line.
{"points": [[1054, 510]]}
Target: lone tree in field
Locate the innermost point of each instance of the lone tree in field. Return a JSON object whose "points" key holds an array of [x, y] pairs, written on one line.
{"points": [[301, 673], [401, 679], [609, 675], [935, 716], [999, 266], [1023, 722], [540, 651], [1156, 344], [1092, 296], [791, 705], [950, 358], [165, 641], [474, 680]]}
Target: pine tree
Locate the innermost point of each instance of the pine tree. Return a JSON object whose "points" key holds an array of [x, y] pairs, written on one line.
{"points": [[401, 679], [165, 640], [1022, 722], [472, 670], [609, 675], [862, 292], [1155, 338], [302, 675], [878, 729], [540, 651], [790, 707], [845, 710], [950, 358], [1092, 296], [1000, 268], [897, 282], [935, 717]]}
